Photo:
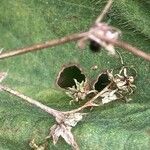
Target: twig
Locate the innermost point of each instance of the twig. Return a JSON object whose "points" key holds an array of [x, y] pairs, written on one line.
{"points": [[132, 49], [104, 12], [53, 112], [74, 37], [128, 47], [47, 109], [47, 44]]}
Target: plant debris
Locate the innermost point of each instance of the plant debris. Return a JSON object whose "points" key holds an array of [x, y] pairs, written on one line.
{"points": [[63, 129], [120, 86], [101, 30], [34, 146], [79, 91]]}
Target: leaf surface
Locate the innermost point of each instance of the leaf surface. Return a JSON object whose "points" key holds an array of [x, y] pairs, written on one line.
{"points": [[114, 126]]}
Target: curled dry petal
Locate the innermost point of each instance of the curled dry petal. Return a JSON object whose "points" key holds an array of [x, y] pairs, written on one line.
{"points": [[63, 128], [65, 132], [79, 91], [109, 96]]}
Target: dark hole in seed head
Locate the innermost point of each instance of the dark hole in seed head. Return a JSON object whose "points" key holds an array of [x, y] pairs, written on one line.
{"points": [[94, 46], [102, 82], [67, 76]]}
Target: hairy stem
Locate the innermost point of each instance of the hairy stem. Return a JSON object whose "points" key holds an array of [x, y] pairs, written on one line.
{"points": [[75, 37]]}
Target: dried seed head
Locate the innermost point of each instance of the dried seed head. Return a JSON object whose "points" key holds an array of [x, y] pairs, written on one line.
{"points": [[100, 30], [79, 91]]}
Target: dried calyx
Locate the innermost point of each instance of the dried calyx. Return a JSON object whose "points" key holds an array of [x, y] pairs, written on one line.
{"points": [[122, 86], [74, 82], [96, 34], [104, 30], [63, 129], [80, 91]]}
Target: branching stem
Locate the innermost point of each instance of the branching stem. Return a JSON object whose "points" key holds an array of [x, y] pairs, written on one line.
{"points": [[74, 37], [43, 45], [53, 112]]}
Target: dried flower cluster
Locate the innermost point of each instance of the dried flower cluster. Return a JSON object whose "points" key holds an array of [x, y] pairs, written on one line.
{"points": [[120, 86], [79, 91]]}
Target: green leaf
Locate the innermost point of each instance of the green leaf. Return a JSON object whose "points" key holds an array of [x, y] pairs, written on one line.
{"points": [[111, 127]]}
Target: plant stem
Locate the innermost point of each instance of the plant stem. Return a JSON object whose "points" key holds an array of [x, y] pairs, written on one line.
{"points": [[128, 47], [104, 12], [47, 44], [55, 113], [74, 37]]}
